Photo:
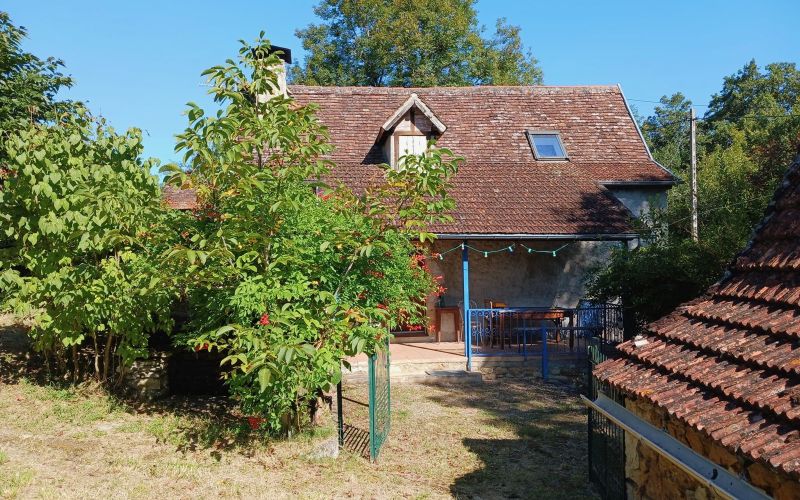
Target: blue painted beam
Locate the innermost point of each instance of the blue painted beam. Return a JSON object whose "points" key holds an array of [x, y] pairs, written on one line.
{"points": [[467, 318]]}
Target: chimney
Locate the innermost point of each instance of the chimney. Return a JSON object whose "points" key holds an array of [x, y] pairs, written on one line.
{"points": [[285, 56]]}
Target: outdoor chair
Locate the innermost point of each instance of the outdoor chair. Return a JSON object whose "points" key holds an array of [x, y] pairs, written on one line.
{"points": [[498, 324]]}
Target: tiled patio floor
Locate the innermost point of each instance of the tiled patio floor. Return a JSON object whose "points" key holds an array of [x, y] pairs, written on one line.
{"points": [[421, 352]]}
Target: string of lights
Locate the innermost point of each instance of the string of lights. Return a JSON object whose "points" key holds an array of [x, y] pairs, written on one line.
{"points": [[510, 249]]}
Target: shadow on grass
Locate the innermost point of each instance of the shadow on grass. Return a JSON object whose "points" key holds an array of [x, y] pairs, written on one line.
{"points": [[356, 441], [547, 459]]}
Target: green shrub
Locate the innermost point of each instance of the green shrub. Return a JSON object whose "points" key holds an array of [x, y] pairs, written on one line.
{"points": [[285, 274]]}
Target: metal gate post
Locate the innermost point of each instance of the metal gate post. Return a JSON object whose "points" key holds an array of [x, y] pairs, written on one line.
{"points": [[372, 444], [339, 412]]}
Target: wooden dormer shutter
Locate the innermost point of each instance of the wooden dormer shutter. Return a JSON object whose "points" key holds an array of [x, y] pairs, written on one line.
{"points": [[411, 145]]}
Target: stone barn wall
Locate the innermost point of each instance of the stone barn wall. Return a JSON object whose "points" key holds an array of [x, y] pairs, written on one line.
{"points": [[649, 475]]}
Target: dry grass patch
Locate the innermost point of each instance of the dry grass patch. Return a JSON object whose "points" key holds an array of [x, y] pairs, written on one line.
{"points": [[493, 440]]}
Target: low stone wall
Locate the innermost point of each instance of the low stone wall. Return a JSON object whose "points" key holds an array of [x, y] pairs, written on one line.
{"points": [[571, 370], [148, 379], [649, 475]]}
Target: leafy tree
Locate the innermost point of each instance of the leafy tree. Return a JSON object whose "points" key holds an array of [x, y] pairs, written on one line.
{"points": [[28, 85], [410, 43], [84, 220], [762, 108], [749, 135], [652, 280], [286, 275], [667, 132]]}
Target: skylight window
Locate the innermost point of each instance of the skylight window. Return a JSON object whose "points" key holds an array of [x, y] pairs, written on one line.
{"points": [[547, 145]]}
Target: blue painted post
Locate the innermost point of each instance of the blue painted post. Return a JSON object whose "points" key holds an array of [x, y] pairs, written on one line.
{"points": [[524, 344], [467, 318], [544, 353]]}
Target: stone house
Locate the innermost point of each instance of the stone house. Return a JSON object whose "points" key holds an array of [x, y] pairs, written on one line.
{"points": [[552, 179], [554, 176], [721, 374]]}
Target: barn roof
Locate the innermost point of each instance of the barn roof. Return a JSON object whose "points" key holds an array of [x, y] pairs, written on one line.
{"points": [[728, 363]]}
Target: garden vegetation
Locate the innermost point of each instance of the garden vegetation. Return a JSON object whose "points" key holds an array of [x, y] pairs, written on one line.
{"points": [[284, 273], [748, 136]]}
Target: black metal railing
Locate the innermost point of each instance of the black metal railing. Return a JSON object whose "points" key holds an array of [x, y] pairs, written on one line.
{"points": [[606, 440]]}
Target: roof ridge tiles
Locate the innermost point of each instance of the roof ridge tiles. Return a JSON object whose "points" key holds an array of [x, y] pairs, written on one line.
{"points": [[465, 89]]}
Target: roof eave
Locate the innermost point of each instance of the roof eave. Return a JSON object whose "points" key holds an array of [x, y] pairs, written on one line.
{"points": [[642, 183], [538, 236]]}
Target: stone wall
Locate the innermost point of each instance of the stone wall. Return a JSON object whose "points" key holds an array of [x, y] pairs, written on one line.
{"points": [[570, 371], [649, 475], [641, 200], [521, 279], [148, 379]]}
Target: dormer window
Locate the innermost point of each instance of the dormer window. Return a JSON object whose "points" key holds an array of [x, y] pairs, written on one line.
{"points": [[547, 145], [408, 130]]}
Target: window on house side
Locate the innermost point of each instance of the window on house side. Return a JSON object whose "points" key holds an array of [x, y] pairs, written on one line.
{"points": [[547, 146]]}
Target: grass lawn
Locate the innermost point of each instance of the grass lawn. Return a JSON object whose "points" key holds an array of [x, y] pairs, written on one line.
{"points": [[499, 439]]}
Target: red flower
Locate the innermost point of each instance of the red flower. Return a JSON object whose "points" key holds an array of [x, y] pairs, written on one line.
{"points": [[201, 347], [255, 422], [264, 321], [382, 306]]}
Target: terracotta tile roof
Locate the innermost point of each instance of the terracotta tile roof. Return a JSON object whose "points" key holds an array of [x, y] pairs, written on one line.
{"points": [[503, 189], [179, 199], [728, 363], [512, 198]]}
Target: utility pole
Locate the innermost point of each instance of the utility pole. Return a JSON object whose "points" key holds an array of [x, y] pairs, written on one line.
{"points": [[693, 120]]}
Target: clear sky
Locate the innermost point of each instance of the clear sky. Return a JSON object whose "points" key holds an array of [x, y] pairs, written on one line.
{"points": [[138, 62]]}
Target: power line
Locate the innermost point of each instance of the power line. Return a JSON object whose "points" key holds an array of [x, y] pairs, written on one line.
{"points": [[727, 205], [663, 103], [708, 106]]}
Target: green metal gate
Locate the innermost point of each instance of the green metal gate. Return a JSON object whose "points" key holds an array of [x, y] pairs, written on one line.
{"points": [[380, 401], [377, 401], [606, 439]]}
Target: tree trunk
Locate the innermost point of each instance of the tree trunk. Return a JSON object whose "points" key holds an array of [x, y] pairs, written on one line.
{"points": [[96, 358], [75, 364], [107, 356]]}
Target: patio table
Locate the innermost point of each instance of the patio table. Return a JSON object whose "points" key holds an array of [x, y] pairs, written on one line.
{"points": [[556, 315]]}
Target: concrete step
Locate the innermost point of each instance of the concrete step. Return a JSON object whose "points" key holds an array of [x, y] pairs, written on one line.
{"points": [[447, 377]]}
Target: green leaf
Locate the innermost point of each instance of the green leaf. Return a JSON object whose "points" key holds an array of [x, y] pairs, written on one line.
{"points": [[264, 377]]}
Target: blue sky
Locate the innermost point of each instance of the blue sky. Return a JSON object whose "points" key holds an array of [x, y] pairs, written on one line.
{"points": [[138, 62]]}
